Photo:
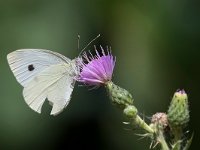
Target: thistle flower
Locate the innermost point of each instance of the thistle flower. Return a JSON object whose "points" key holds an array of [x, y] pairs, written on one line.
{"points": [[97, 69]]}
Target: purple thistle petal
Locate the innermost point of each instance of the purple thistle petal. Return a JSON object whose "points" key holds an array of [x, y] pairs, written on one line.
{"points": [[98, 69]]}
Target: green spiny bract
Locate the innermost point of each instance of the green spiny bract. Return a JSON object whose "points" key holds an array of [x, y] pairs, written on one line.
{"points": [[118, 95]]}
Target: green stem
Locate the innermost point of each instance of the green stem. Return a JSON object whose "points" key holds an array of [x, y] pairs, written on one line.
{"points": [[162, 141], [131, 112], [141, 123], [177, 137]]}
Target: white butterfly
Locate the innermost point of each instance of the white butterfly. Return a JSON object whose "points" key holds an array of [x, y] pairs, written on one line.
{"points": [[44, 74]]}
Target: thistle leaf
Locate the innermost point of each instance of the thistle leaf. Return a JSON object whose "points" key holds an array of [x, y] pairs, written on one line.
{"points": [[189, 142]]}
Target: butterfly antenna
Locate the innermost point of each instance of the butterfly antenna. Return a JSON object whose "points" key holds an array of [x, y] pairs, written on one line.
{"points": [[89, 43], [78, 40]]}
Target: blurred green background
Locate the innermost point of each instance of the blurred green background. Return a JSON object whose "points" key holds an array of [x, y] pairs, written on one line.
{"points": [[157, 48]]}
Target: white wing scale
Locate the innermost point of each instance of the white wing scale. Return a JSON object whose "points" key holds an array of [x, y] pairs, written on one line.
{"points": [[52, 77]]}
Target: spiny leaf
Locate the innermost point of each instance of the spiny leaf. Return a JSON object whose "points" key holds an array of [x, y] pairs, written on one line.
{"points": [[189, 142]]}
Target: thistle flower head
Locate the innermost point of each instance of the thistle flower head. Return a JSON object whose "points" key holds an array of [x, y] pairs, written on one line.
{"points": [[97, 69]]}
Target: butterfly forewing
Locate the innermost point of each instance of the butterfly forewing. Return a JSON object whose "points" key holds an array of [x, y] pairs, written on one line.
{"points": [[27, 63]]}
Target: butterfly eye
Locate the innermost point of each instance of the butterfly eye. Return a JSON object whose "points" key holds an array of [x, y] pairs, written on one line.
{"points": [[31, 67]]}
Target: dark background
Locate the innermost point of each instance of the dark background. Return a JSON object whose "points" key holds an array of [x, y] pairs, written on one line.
{"points": [[157, 48]]}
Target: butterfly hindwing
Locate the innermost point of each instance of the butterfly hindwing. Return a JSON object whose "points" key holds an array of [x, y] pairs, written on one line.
{"points": [[60, 93], [53, 83]]}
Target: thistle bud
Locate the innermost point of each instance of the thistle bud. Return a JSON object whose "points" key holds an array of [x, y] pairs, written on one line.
{"points": [[178, 112], [130, 111], [160, 120], [118, 95]]}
